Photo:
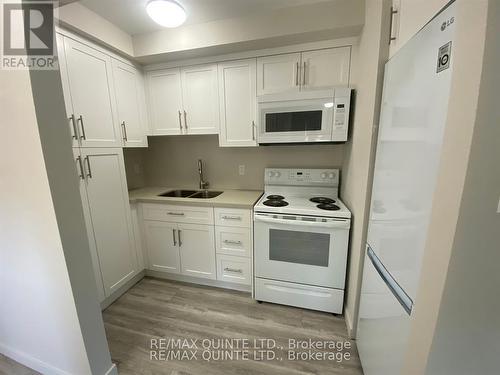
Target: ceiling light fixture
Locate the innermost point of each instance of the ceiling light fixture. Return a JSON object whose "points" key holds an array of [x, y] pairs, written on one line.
{"points": [[166, 12]]}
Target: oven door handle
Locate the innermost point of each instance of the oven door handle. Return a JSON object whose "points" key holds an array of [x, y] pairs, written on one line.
{"points": [[337, 224]]}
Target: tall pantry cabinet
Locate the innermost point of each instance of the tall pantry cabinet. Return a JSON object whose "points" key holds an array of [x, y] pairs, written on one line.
{"points": [[98, 133]]}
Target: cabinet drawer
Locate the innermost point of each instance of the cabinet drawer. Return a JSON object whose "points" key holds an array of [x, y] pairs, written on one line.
{"points": [[233, 241], [232, 217], [178, 213], [234, 269]]}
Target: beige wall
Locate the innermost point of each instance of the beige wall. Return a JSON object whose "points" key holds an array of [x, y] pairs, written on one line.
{"points": [[292, 25], [369, 59], [88, 23], [459, 194], [171, 161], [38, 321]]}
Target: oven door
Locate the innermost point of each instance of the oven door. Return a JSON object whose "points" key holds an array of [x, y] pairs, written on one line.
{"points": [[293, 121], [300, 249]]}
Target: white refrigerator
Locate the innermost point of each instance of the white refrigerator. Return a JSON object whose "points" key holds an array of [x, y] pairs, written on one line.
{"points": [[413, 115]]}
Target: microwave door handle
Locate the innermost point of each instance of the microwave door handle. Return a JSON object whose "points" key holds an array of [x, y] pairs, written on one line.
{"points": [[340, 224]]}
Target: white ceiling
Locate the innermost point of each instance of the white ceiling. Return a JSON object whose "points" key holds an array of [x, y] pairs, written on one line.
{"points": [[131, 16]]}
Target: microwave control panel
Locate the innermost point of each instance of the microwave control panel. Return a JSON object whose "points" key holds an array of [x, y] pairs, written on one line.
{"points": [[340, 118]]}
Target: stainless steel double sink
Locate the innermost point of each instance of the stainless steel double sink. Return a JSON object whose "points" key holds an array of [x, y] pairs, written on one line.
{"points": [[200, 194]]}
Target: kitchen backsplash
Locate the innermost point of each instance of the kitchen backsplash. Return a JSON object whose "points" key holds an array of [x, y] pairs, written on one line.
{"points": [[171, 161]]}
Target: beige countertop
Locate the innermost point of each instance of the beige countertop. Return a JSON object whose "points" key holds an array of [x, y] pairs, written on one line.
{"points": [[229, 198]]}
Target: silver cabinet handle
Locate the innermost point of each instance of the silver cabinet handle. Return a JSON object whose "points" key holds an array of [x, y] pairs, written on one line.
{"points": [[83, 136], [173, 236], [297, 73], [253, 130], [124, 127], [236, 270], [180, 120], [185, 121], [232, 242], [79, 160], [75, 133], [176, 213], [304, 75], [394, 11], [225, 217], [179, 236], [89, 174]]}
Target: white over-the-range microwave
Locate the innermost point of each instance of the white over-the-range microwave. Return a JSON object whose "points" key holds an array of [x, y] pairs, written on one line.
{"points": [[303, 117]]}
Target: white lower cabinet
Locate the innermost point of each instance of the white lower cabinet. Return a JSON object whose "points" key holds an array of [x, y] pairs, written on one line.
{"points": [[197, 250], [187, 240], [106, 207], [234, 269], [162, 247]]}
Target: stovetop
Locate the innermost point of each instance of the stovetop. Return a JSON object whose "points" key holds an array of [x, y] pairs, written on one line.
{"points": [[301, 205], [310, 192]]}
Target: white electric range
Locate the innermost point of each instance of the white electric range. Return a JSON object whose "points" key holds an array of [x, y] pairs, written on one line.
{"points": [[301, 237]]}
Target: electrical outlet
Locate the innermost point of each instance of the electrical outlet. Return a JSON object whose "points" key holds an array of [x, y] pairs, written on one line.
{"points": [[241, 170]]}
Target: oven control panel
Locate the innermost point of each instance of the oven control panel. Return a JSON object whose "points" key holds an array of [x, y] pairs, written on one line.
{"points": [[302, 177]]}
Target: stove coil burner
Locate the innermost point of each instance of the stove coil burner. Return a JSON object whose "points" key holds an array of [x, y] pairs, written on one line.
{"points": [[275, 197], [275, 203], [322, 200], [328, 206]]}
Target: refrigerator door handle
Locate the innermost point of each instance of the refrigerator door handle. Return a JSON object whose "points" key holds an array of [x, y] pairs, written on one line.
{"points": [[398, 292]]}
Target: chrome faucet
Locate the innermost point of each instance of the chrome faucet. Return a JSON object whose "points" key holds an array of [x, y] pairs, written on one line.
{"points": [[203, 184]]}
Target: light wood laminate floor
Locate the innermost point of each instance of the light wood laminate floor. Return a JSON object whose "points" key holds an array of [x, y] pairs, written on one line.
{"points": [[159, 309]]}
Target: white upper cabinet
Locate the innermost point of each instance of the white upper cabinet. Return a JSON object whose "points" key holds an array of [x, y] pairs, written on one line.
{"points": [[200, 98], [311, 70], [109, 209], [408, 17], [325, 68], [92, 95], [165, 101], [130, 101], [278, 74], [238, 91], [75, 137], [184, 101]]}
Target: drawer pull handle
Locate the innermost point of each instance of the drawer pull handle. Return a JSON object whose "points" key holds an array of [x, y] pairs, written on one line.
{"points": [[176, 213], [226, 217], [239, 270], [232, 242]]}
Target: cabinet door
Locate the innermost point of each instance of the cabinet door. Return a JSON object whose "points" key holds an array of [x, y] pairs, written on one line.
{"points": [[129, 102], [278, 74], [201, 99], [88, 223], [238, 92], [61, 56], [165, 101], [110, 211], [197, 249], [325, 68], [162, 246], [92, 95]]}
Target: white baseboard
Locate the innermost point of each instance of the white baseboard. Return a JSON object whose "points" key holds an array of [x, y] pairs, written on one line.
{"points": [[31, 362], [113, 370], [117, 294], [38, 365], [199, 281], [348, 321]]}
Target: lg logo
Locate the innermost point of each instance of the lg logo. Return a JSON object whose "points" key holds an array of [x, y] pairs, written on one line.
{"points": [[447, 23], [28, 28]]}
